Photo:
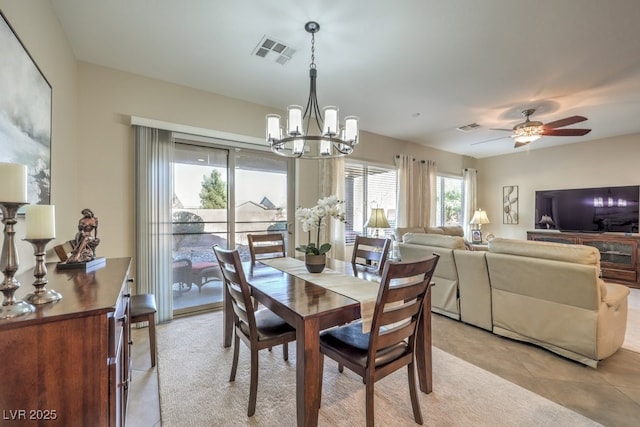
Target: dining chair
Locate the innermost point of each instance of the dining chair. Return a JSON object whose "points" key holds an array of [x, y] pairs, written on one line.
{"points": [[391, 343], [258, 329], [262, 246], [371, 252]]}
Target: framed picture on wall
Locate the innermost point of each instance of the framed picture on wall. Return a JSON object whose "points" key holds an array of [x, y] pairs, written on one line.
{"points": [[25, 114], [510, 204]]}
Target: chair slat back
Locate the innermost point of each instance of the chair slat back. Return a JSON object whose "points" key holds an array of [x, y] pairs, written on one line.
{"points": [[266, 244], [236, 283], [370, 250], [400, 303]]}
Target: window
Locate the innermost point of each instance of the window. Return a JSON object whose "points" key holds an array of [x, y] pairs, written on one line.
{"points": [[221, 195], [449, 200], [368, 187]]}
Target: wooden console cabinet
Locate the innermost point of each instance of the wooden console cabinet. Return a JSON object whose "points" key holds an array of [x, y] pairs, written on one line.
{"points": [[68, 363], [618, 252]]}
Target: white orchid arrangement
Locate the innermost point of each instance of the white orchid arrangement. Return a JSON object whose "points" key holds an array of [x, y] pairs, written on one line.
{"points": [[315, 218]]}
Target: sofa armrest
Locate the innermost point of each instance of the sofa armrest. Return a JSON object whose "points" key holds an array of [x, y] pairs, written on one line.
{"points": [[616, 294]]}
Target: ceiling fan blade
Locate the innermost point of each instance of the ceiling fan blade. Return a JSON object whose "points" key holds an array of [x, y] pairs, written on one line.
{"points": [[489, 140], [508, 130], [520, 144], [565, 122], [565, 132]]}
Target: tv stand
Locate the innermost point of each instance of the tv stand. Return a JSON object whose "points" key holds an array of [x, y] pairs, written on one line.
{"points": [[618, 252]]}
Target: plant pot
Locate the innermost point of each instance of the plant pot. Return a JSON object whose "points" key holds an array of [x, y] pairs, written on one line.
{"points": [[315, 263]]}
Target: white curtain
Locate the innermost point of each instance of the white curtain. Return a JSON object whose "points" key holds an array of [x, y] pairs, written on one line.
{"points": [[416, 192], [470, 202], [405, 214], [428, 177], [332, 182], [153, 194]]}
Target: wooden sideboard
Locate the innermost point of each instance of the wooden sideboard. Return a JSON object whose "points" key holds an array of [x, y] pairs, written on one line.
{"points": [[619, 256], [68, 363]]}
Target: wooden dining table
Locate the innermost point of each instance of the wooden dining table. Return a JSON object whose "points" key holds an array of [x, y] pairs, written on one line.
{"points": [[310, 308]]}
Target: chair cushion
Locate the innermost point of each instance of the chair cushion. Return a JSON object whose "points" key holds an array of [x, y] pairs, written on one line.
{"points": [[142, 304], [352, 344], [269, 325]]}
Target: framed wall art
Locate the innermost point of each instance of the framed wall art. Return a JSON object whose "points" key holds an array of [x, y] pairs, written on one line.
{"points": [[25, 114], [510, 204]]}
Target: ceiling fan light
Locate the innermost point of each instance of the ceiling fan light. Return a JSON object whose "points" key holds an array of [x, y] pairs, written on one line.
{"points": [[527, 138]]}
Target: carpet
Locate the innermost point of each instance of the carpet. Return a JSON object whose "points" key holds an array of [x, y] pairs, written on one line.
{"points": [[632, 336], [193, 370]]}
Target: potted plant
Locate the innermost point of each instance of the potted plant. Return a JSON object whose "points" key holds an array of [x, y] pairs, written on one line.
{"points": [[313, 219]]}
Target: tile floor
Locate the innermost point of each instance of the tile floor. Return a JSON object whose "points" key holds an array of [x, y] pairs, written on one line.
{"points": [[609, 394]]}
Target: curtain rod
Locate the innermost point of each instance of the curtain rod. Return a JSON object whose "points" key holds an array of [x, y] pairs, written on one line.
{"points": [[413, 158]]}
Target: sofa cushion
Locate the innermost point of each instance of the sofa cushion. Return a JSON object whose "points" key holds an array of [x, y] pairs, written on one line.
{"points": [[443, 241], [579, 254], [401, 231], [434, 230], [453, 230]]}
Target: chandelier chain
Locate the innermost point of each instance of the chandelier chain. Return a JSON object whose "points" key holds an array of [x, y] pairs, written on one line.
{"points": [[313, 51]]}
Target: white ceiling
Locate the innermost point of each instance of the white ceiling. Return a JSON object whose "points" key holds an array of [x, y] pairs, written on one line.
{"points": [[410, 69]]}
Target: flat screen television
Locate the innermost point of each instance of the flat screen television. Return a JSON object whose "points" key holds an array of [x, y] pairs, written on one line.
{"points": [[591, 210]]}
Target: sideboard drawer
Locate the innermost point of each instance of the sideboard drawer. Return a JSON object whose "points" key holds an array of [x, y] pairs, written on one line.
{"points": [[615, 274]]}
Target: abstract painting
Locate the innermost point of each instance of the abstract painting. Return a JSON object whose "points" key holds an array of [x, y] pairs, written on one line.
{"points": [[25, 114], [510, 204]]}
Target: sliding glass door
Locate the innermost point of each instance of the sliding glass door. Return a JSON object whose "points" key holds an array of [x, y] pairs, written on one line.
{"points": [[261, 195], [220, 195]]}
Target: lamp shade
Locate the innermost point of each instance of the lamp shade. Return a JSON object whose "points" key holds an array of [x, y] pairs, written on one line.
{"points": [[377, 219], [479, 218], [546, 220]]}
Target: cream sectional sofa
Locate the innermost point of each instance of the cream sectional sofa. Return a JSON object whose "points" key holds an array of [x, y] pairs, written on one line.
{"points": [[444, 295], [548, 294]]}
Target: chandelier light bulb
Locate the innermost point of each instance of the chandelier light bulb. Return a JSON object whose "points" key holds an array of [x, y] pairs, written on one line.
{"points": [[294, 127]]}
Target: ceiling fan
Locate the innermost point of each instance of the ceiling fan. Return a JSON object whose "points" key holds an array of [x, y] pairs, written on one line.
{"points": [[530, 130]]}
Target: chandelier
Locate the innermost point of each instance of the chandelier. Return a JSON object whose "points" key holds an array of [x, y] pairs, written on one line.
{"points": [[300, 141]]}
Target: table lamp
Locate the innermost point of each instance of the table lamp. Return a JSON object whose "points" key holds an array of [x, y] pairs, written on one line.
{"points": [[479, 218], [547, 220], [377, 220]]}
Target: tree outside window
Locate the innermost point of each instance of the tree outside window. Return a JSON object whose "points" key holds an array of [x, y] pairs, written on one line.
{"points": [[449, 205]]}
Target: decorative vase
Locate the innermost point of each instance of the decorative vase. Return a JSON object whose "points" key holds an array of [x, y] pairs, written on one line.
{"points": [[315, 263]]}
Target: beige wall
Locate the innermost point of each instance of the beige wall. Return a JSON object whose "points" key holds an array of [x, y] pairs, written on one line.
{"points": [[605, 162]]}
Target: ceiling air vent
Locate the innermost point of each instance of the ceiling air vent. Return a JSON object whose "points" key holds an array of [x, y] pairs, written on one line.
{"points": [[468, 128], [274, 50]]}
